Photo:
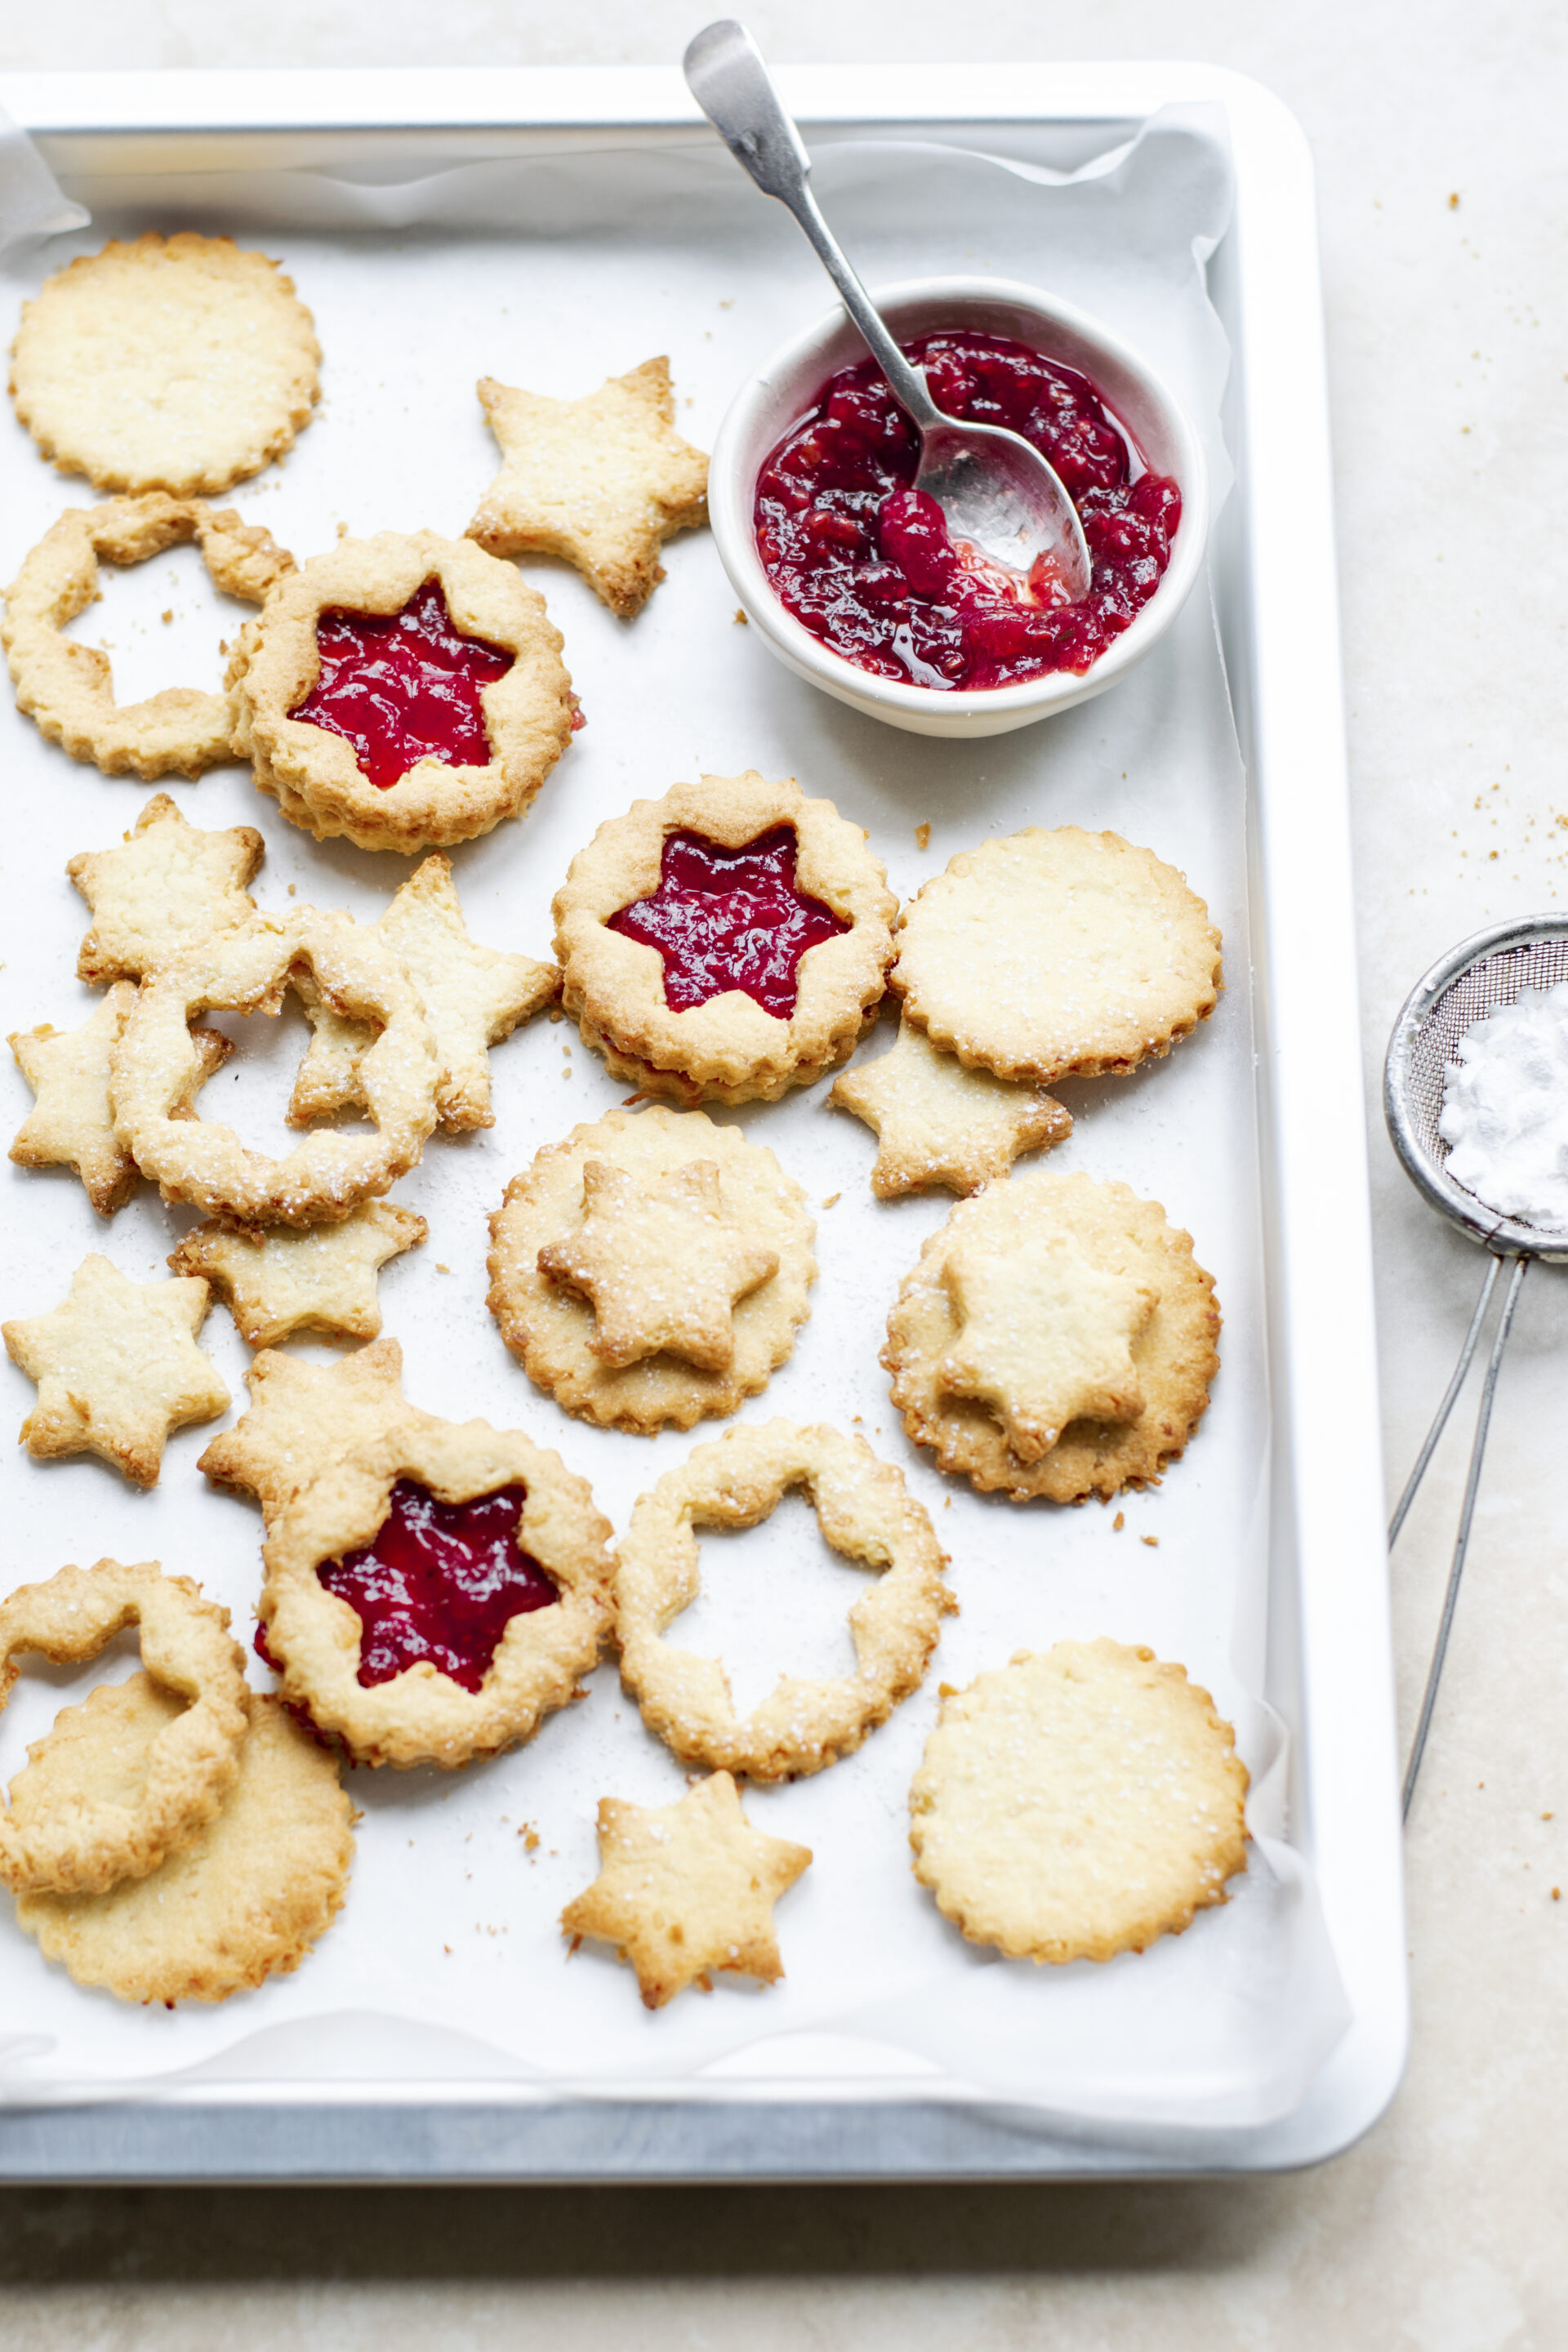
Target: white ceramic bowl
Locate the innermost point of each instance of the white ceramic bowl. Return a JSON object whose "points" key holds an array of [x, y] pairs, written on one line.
{"points": [[787, 383]]}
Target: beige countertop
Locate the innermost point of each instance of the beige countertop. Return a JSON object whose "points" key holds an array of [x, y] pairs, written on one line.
{"points": [[1442, 2231]]}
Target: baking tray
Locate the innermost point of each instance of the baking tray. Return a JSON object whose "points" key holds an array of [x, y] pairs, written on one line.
{"points": [[1323, 1649]]}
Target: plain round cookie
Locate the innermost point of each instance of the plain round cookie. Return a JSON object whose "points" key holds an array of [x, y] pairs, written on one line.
{"points": [[179, 365], [1174, 1353], [1077, 1803], [245, 1902], [1050, 955], [549, 1327]]}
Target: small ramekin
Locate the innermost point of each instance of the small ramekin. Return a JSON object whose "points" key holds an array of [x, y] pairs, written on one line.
{"points": [[787, 383]]}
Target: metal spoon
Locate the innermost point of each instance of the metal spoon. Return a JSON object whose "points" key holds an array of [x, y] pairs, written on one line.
{"points": [[994, 489]]}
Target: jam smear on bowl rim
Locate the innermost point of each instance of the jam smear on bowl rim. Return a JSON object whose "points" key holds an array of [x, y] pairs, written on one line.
{"points": [[725, 918], [403, 687], [864, 562]]}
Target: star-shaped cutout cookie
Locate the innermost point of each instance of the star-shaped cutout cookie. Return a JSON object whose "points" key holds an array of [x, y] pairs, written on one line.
{"points": [[663, 1264], [938, 1123], [293, 1278], [168, 885], [118, 1368], [473, 997], [602, 481], [304, 1418], [684, 1889], [1045, 1338]]}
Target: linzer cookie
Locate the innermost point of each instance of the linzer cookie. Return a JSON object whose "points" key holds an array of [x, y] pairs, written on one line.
{"points": [[1078, 1804], [279, 1280], [169, 886], [1056, 1339], [1053, 955], [406, 691], [652, 1269], [725, 943], [938, 1123]]}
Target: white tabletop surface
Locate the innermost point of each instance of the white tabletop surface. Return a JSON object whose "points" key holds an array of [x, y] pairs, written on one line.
{"points": [[1444, 189]]}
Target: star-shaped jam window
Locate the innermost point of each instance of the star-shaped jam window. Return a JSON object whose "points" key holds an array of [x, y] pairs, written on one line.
{"points": [[402, 687], [725, 918]]}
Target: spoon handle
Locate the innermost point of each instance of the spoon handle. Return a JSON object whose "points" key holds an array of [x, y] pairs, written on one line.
{"points": [[726, 75]]}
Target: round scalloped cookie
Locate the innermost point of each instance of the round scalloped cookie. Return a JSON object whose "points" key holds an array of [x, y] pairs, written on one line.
{"points": [[315, 775], [180, 364]]}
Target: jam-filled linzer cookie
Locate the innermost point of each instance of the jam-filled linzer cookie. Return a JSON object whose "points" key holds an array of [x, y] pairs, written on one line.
{"points": [[725, 943], [407, 691]]}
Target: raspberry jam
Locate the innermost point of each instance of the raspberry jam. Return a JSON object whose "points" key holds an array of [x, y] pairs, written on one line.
{"points": [[442, 1581], [865, 561], [727, 918], [402, 687]]}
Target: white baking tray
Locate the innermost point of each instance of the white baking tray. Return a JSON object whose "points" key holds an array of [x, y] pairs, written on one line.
{"points": [[1254, 1139]]}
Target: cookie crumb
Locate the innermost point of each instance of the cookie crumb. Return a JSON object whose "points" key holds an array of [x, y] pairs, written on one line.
{"points": [[833, 1200], [1152, 1542], [442, 1269], [922, 836], [167, 617], [741, 620], [342, 534], [1454, 201], [1118, 1523]]}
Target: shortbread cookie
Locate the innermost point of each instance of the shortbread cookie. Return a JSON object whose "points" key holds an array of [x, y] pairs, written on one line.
{"points": [[602, 481], [71, 1124], [438, 1595], [1054, 955], [687, 1889], [865, 1512], [1078, 1803], [168, 886], [204, 1163], [118, 1368], [667, 1286], [245, 1902], [178, 363], [729, 939], [1056, 1338], [84, 1814], [938, 1123], [68, 688], [305, 1419], [280, 1280], [473, 997], [406, 691]]}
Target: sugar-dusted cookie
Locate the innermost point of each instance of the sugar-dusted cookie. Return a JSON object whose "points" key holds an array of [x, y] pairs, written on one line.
{"points": [[687, 1889], [305, 1419], [406, 690], [438, 1594], [279, 1280], [173, 364], [71, 1124], [638, 1295], [939, 1123], [1056, 1338], [85, 1812], [118, 1368], [473, 996], [866, 1514], [602, 481], [1078, 1803], [168, 885], [1053, 955], [729, 940], [204, 1162], [68, 688], [245, 1902]]}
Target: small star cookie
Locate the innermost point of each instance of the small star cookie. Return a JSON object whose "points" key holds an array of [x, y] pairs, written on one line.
{"points": [[319, 1278], [684, 1889], [938, 1123], [306, 1419], [117, 1368], [168, 884], [601, 481], [663, 1262], [473, 996]]}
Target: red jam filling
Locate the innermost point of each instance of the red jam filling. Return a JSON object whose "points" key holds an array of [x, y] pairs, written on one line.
{"points": [[727, 918], [403, 687], [866, 562], [442, 1581]]}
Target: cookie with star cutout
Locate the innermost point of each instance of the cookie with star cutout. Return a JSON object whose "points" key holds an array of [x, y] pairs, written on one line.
{"points": [[652, 1269], [727, 942], [167, 887], [1056, 1339], [601, 482], [938, 1123], [279, 1279]]}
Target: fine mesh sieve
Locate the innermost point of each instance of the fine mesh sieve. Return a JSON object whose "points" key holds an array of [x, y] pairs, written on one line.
{"points": [[1475, 979]]}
